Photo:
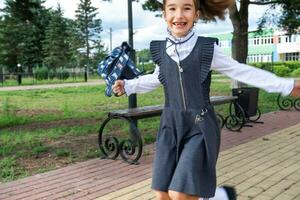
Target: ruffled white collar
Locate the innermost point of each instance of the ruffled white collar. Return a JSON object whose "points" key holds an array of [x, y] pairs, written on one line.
{"points": [[180, 40]]}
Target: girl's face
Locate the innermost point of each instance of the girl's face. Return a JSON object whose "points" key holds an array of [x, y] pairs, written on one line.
{"points": [[180, 16]]}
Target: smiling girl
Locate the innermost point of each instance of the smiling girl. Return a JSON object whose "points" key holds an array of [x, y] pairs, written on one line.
{"points": [[188, 139]]}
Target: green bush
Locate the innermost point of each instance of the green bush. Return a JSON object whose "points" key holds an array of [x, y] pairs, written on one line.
{"points": [[296, 73], [281, 70], [269, 66], [292, 65], [258, 65], [41, 73], [148, 67], [62, 74], [52, 74]]}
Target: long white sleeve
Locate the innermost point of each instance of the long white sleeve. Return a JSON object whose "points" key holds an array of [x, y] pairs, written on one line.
{"points": [[250, 75], [142, 84]]}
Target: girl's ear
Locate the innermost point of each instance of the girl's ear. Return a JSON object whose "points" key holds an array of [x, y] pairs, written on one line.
{"points": [[164, 15], [198, 14]]}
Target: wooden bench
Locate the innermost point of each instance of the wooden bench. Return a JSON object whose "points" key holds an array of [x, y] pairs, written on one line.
{"points": [[130, 148]]}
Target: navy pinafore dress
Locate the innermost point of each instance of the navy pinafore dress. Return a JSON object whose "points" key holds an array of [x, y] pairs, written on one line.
{"points": [[188, 139]]}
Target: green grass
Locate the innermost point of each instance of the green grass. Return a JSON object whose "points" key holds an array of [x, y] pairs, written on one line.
{"points": [[62, 152], [24, 144], [63, 103], [10, 170]]}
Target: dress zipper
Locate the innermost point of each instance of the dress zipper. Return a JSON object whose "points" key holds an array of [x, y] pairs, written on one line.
{"points": [[180, 70]]}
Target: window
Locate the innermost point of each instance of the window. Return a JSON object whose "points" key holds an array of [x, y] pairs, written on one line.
{"points": [[292, 56]]}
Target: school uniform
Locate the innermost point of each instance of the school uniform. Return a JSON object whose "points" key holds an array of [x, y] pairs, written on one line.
{"points": [[188, 139]]}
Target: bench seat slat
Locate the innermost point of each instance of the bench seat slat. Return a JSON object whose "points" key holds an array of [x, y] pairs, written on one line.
{"points": [[151, 111]]}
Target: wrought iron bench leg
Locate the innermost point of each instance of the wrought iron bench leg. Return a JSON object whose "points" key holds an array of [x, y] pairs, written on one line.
{"points": [[236, 118], [112, 142]]}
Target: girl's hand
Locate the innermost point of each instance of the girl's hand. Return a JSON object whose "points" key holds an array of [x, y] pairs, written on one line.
{"points": [[118, 88], [296, 90]]}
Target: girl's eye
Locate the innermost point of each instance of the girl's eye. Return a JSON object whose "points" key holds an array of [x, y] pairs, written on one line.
{"points": [[187, 8], [171, 9]]}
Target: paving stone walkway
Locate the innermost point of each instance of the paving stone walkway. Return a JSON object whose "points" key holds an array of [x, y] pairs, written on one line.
{"points": [[47, 86], [267, 168]]}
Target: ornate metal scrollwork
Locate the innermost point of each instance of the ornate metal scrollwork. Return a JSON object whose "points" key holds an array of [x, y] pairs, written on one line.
{"points": [[287, 103], [236, 118], [110, 148], [256, 117], [220, 120], [131, 151], [233, 123], [297, 104], [119, 136]]}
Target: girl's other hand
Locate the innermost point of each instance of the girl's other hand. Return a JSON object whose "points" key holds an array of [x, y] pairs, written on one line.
{"points": [[118, 88], [296, 90]]}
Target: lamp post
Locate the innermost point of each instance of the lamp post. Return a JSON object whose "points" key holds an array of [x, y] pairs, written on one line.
{"points": [[19, 73], [85, 72], [1, 75], [132, 100]]}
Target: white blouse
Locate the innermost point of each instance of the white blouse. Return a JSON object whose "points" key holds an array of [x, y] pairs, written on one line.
{"points": [[221, 63]]}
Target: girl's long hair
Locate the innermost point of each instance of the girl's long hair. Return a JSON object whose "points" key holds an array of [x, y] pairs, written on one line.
{"points": [[212, 9]]}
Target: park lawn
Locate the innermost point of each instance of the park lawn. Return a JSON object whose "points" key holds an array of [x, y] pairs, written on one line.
{"points": [[45, 129]]}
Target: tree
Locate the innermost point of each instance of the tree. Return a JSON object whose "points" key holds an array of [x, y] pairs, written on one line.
{"points": [[75, 42], [22, 33], [144, 55], [99, 54], [55, 47], [8, 44], [89, 26], [288, 19]]}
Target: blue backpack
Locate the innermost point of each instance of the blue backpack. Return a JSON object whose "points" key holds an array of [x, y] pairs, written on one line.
{"points": [[117, 65]]}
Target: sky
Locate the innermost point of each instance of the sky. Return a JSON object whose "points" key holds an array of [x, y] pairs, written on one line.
{"points": [[146, 26]]}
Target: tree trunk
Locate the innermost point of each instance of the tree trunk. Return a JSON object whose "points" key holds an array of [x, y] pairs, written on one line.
{"points": [[239, 20]]}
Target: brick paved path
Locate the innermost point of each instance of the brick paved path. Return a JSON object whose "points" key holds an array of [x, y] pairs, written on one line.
{"points": [[261, 164], [264, 169]]}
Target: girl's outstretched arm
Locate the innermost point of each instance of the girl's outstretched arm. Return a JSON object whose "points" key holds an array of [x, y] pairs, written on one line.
{"points": [[142, 84], [251, 75]]}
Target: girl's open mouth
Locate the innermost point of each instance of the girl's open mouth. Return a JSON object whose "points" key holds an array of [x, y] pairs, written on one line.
{"points": [[179, 24]]}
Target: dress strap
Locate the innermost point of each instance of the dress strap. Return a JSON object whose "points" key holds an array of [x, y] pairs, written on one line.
{"points": [[156, 48], [156, 51], [206, 55]]}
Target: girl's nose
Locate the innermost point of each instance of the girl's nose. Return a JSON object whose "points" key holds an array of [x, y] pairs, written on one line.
{"points": [[178, 13]]}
